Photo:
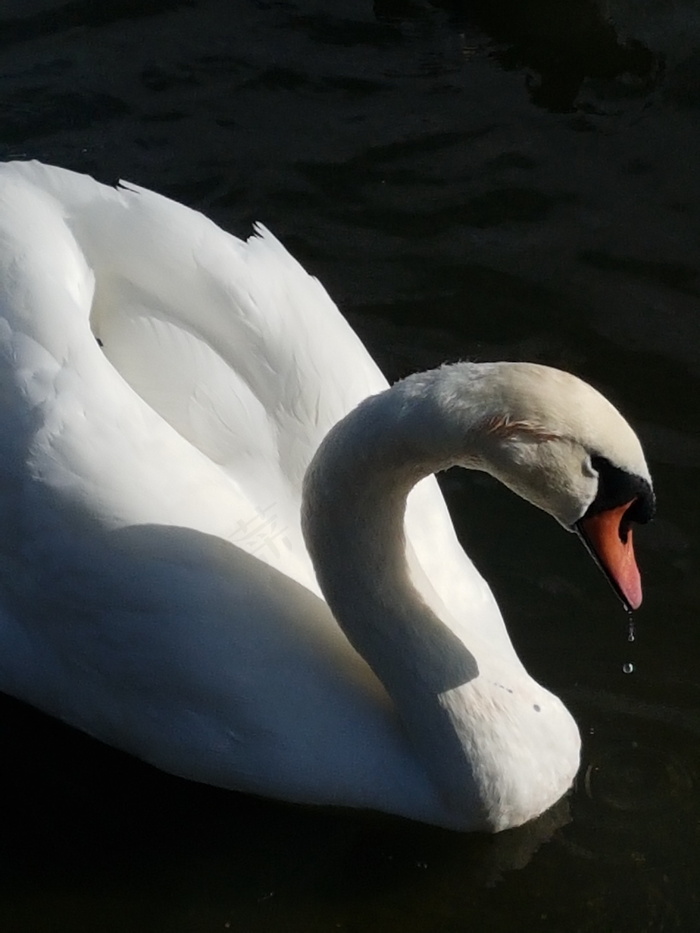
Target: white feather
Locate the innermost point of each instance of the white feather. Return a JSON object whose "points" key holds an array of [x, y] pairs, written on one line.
{"points": [[155, 588]]}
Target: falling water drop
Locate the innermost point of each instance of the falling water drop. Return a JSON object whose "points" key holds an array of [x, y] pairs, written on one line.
{"points": [[628, 666]]}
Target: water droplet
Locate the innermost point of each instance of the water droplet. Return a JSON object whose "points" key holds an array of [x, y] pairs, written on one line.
{"points": [[627, 668], [631, 633]]}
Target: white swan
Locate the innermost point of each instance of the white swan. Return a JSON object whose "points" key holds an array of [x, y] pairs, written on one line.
{"points": [[155, 587]]}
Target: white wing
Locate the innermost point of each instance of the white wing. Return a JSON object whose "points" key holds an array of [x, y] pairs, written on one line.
{"points": [[222, 365]]}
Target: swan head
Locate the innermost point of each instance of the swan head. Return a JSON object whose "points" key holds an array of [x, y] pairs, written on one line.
{"points": [[561, 445]]}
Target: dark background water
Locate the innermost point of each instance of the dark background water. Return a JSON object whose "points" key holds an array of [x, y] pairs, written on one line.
{"points": [[487, 179]]}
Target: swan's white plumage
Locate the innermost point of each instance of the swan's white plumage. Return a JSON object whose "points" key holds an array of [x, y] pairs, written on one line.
{"points": [[127, 471], [232, 343]]}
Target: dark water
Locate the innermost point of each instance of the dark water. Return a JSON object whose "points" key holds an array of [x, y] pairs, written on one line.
{"points": [[492, 180]]}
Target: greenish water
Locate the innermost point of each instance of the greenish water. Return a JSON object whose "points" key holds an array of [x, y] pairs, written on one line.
{"points": [[484, 180]]}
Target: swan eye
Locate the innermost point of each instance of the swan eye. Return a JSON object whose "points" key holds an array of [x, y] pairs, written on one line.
{"points": [[616, 487]]}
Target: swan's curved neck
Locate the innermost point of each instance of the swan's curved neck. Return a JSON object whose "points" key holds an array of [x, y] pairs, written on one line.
{"points": [[355, 493], [462, 724]]}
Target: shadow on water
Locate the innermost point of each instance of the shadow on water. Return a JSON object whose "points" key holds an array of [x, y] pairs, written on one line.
{"points": [[557, 47], [109, 841], [91, 824], [22, 21]]}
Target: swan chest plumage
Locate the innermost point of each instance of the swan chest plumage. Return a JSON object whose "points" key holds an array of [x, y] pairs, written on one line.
{"points": [[222, 548]]}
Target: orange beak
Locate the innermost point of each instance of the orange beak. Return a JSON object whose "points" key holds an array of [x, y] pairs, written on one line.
{"points": [[610, 544]]}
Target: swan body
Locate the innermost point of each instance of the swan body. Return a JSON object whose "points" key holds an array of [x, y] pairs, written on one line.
{"points": [[222, 548]]}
